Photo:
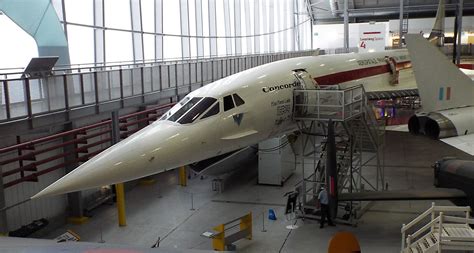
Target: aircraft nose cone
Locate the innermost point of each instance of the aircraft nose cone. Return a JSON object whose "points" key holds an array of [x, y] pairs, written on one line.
{"points": [[129, 159]]}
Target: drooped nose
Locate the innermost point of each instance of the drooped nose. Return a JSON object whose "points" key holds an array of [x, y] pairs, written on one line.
{"points": [[144, 153]]}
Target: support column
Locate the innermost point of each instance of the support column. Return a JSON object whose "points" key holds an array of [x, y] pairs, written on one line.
{"points": [[3, 214], [459, 27], [119, 189], [346, 26], [400, 28], [74, 199], [183, 180]]}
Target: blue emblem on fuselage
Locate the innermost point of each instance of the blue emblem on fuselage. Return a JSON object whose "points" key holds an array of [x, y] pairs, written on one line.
{"points": [[238, 118]]}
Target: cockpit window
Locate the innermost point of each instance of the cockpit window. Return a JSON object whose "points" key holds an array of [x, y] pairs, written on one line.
{"points": [[228, 103], [213, 111], [238, 100], [197, 110], [175, 108], [186, 107]]}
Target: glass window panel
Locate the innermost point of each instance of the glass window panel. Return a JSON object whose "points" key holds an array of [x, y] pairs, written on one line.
{"points": [[238, 100], [193, 44], [165, 81], [172, 47], [81, 12], [147, 79], [229, 25], [184, 15], [184, 109], [171, 25], [19, 48], [81, 44], [136, 81], [220, 18], [171, 17], [221, 47], [149, 46], [192, 17], [117, 14], [256, 26], [197, 110], [205, 27], [148, 15], [118, 46], [228, 103], [213, 111]]}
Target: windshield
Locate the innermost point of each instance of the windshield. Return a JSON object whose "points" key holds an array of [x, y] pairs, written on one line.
{"points": [[175, 108], [184, 108], [197, 110], [189, 109]]}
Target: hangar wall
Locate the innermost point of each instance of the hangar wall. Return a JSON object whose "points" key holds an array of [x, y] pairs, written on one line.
{"points": [[331, 35]]}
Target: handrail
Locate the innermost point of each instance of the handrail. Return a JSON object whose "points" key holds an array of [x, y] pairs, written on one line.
{"points": [[62, 134], [436, 223], [458, 219], [425, 227], [452, 209], [417, 219], [131, 64]]}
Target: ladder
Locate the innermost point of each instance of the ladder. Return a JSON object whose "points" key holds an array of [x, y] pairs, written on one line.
{"points": [[442, 232]]}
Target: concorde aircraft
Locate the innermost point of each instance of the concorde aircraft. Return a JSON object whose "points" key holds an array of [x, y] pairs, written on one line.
{"points": [[232, 113], [226, 115]]}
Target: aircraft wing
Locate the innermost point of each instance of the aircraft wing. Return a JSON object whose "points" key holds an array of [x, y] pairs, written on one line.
{"points": [[437, 193], [464, 143]]}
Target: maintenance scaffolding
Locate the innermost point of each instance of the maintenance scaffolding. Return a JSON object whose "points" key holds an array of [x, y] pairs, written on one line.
{"points": [[359, 139]]}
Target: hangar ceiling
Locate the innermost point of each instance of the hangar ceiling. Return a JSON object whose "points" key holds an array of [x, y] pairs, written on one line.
{"points": [[331, 11]]}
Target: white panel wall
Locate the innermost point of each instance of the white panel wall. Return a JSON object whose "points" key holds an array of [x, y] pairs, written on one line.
{"points": [[332, 35]]}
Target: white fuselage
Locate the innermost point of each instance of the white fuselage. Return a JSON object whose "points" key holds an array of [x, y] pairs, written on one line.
{"points": [[266, 111]]}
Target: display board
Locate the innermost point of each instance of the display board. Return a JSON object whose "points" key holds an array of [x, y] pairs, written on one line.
{"points": [[371, 38]]}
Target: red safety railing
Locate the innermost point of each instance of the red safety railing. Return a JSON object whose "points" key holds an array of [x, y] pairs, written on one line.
{"points": [[25, 154]]}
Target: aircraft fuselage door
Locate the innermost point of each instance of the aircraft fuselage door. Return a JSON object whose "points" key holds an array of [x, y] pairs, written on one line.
{"points": [[306, 83], [305, 79]]}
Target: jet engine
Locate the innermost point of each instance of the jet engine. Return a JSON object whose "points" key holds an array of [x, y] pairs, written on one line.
{"points": [[434, 125], [443, 124]]}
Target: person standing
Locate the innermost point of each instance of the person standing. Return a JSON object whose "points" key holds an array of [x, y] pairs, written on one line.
{"points": [[324, 204]]}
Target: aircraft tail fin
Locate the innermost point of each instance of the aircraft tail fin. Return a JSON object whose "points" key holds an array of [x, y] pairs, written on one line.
{"points": [[441, 84], [437, 33]]}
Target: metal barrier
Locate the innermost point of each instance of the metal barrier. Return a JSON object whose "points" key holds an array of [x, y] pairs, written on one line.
{"points": [[30, 158], [326, 104], [72, 88], [223, 238]]}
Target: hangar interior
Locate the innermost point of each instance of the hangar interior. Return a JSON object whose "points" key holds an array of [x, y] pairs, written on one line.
{"points": [[77, 77]]}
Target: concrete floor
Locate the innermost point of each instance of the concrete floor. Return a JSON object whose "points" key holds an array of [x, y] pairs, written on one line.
{"points": [[163, 209]]}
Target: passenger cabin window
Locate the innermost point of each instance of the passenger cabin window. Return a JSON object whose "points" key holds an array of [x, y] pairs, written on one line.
{"points": [[238, 100], [197, 110], [228, 103], [213, 111]]}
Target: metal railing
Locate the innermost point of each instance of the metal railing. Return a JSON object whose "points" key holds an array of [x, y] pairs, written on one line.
{"points": [[29, 159], [71, 88], [434, 225], [328, 104]]}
